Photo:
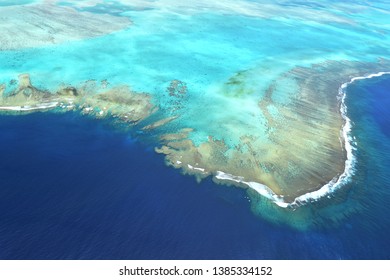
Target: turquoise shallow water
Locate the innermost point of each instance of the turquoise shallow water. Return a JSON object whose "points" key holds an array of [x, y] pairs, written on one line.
{"points": [[203, 49], [19, 2]]}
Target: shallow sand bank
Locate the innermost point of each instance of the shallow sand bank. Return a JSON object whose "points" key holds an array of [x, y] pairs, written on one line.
{"points": [[45, 24]]}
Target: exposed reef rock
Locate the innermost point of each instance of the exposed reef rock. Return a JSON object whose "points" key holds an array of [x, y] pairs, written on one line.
{"points": [[25, 97], [120, 102]]}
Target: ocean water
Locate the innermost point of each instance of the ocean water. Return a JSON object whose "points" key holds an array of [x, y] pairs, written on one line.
{"points": [[73, 187], [262, 79]]}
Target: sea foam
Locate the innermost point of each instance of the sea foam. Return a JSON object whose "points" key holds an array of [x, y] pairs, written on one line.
{"points": [[39, 107]]}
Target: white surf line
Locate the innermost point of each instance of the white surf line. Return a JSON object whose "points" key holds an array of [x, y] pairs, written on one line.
{"points": [[259, 188], [29, 108], [195, 168], [336, 183]]}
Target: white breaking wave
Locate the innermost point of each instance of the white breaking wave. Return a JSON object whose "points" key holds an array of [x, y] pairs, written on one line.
{"points": [[260, 188], [42, 106], [336, 183], [195, 168]]}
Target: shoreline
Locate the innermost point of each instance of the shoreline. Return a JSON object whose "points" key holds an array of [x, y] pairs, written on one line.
{"points": [[27, 108], [337, 182]]}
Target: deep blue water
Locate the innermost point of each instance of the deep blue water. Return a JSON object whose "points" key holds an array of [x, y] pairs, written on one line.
{"points": [[75, 188]]}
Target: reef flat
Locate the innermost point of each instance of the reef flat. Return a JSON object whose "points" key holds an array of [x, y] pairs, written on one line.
{"points": [[46, 24], [297, 149]]}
